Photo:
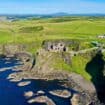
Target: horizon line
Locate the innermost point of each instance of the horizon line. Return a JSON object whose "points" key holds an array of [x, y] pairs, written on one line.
{"points": [[52, 13]]}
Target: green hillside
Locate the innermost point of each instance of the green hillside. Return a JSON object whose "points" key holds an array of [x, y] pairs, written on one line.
{"points": [[33, 32]]}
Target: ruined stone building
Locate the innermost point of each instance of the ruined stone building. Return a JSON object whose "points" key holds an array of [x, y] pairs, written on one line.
{"points": [[58, 45]]}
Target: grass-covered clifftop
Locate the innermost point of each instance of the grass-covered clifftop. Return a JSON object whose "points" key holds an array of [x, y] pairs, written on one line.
{"points": [[33, 32]]}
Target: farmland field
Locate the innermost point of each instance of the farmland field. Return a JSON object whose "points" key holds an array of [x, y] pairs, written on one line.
{"points": [[22, 31]]}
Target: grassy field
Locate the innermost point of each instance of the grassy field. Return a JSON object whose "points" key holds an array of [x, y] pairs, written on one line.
{"points": [[21, 31], [34, 31]]}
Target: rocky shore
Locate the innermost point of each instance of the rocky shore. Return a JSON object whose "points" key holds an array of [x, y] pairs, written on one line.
{"points": [[84, 91], [73, 87]]}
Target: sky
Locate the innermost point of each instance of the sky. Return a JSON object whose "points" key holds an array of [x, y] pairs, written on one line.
{"points": [[51, 6]]}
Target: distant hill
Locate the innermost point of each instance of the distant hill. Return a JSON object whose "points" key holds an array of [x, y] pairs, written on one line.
{"points": [[14, 17], [60, 14], [29, 16]]}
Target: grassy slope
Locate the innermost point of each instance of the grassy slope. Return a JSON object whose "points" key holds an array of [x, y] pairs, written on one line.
{"points": [[83, 29], [79, 66], [69, 29]]}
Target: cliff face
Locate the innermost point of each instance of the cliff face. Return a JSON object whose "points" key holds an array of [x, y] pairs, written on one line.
{"points": [[11, 49], [20, 52]]}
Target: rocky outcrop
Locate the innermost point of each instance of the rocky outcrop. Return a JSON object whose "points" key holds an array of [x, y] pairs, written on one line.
{"points": [[42, 100], [21, 84], [24, 56], [19, 52], [67, 58], [82, 82], [28, 60], [61, 93], [88, 94], [28, 94], [12, 49]]}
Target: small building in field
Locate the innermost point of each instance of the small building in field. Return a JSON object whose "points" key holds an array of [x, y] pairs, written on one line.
{"points": [[101, 36]]}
